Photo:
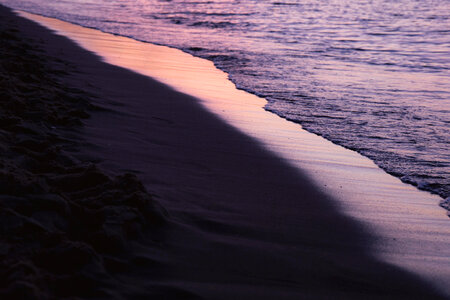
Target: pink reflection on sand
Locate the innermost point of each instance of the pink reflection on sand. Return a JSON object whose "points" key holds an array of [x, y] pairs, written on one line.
{"points": [[188, 74]]}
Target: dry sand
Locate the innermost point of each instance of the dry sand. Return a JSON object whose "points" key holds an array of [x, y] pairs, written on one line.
{"points": [[63, 220], [242, 224]]}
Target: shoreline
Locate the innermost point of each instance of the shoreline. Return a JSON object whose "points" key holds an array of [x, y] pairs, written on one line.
{"points": [[210, 98], [407, 224], [196, 164], [418, 184]]}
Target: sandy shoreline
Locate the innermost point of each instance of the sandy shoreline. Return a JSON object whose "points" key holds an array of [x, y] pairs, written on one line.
{"points": [[243, 223]]}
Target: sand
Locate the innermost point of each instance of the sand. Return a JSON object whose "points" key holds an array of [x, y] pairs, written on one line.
{"points": [[238, 221], [63, 219]]}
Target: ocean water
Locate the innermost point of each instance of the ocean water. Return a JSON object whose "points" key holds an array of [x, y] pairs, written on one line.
{"points": [[370, 75]]}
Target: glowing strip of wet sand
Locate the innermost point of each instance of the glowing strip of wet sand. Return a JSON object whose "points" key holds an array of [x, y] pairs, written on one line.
{"points": [[413, 231]]}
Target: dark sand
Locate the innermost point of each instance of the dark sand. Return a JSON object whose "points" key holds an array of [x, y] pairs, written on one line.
{"points": [[63, 220], [241, 224]]}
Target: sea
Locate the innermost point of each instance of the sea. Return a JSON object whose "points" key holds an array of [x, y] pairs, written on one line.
{"points": [[369, 75]]}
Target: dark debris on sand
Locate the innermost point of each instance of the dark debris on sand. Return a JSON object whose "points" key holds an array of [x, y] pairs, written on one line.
{"points": [[63, 221]]}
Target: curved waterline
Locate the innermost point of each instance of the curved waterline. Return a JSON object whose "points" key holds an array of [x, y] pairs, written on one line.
{"points": [[397, 213]]}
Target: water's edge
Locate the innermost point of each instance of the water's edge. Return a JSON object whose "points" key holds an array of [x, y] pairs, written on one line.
{"points": [[445, 202]]}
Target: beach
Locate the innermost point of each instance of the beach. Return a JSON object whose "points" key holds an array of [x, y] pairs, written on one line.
{"points": [[165, 198]]}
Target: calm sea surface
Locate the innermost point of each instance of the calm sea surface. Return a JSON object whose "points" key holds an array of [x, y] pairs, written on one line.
{"points": [[372, 76]]}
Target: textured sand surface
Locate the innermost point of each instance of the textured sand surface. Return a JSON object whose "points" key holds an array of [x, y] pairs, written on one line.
{"points": [[63, 220]]}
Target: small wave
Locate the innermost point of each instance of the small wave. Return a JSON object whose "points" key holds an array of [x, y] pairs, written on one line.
{"points": [[286, 3], [195, 49], [210, 24], [118, 22]]}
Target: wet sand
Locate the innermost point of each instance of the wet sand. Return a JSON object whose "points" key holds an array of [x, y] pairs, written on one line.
{"points": [[242, 223]]}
